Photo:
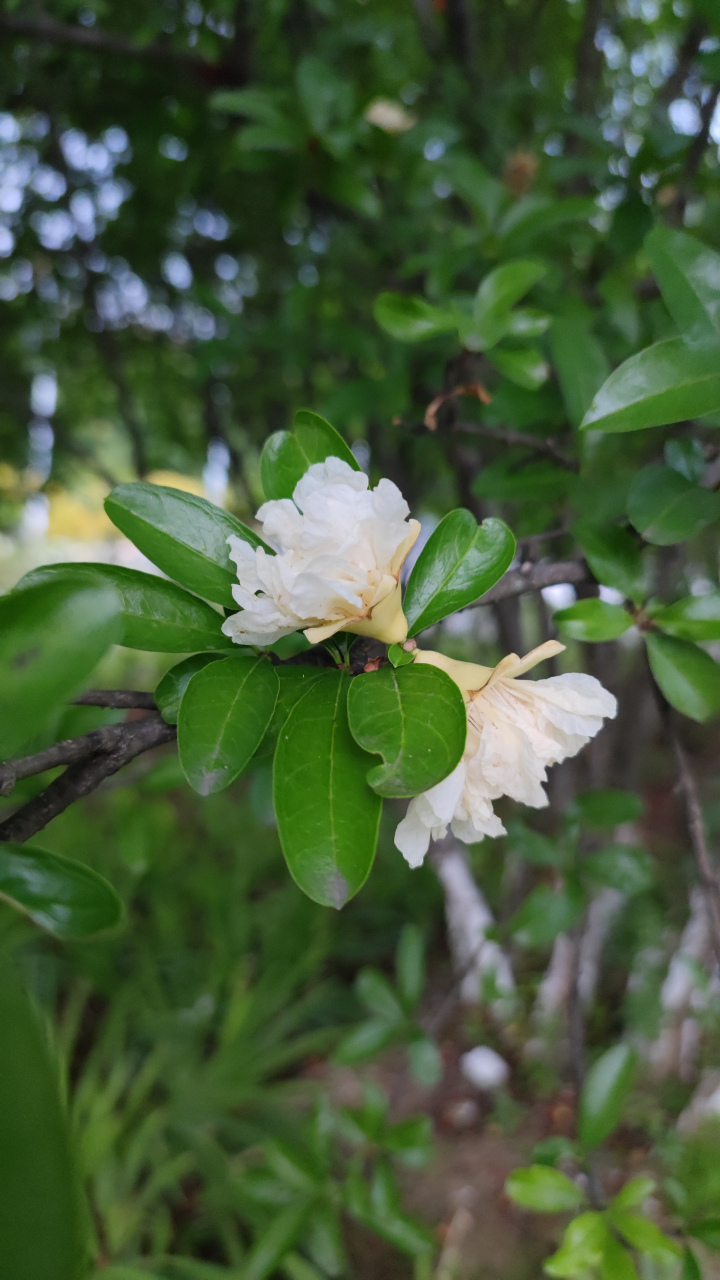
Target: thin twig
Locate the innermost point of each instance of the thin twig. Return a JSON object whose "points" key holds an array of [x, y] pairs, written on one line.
{"points": [[60, 753], [46, 29], [532, 577], [85, 776], [542, 444], [117, 699]]}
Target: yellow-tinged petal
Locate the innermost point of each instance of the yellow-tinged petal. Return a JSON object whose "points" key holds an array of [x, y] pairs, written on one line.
{"points": [[387, 622], [405, 548], [470, 676]]}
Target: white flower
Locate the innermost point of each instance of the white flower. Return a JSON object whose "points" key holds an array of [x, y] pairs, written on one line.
{"points": [[484, 1068], [341, 547], [516, 729]]}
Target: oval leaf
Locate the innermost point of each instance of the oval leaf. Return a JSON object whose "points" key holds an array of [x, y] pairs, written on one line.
{"points": [[40, 1199], [411, 319], [182, 534], [65, 897], [327, 815], [497, 293], [169, 692], [604, 1094], [524, 366], [156, 615], [689, 277], [666, 508], [224, 714], [287, 455], [615, 557], [417, 724], [667, 382], [688, 677], [543, 1189], [592, 620], [457, 565], [51, 637], [692, 618]]}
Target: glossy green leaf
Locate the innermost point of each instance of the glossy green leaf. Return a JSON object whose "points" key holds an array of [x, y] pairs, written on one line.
{"points": [[294, 682], [399, 656], [582, 1248], [604, 1094], [65, 897], [51, 637], [459, 563], [688, 677], [592, 620], [615, 557], [644, 1236], [667, 382], [692, 618], [288, 454], [182, 534], [666, 508], [40, 1198], [607, 807], [624, 867], [156, 615], [543, 1189], [224, 714], [524, 366], [415, 718], [688, 273], [497, 294], [327, 815], [410, 965], [411, 319], [170, 690], [581, 365]]}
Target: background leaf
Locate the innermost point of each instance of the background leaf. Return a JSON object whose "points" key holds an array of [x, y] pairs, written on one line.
{"points": [[592, 620], [667, 382], [615, 557], [688, 273], [581, 365], [65, 897], [688, 676], [543, 1189], [604, 1094], [692, 618], [286, 455], [666, 508], [411, 319]]}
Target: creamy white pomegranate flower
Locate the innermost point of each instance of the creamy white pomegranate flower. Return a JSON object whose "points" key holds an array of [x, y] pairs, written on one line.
{"points": [[516, 729], [341, 546]]}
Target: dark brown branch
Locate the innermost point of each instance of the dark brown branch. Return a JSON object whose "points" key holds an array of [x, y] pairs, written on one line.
{"points": [[588, 58], [85, 776], [118, 699], [60, 753], [48, 30], [698, 146], [532, 577], [508, 436], [687, 53]]}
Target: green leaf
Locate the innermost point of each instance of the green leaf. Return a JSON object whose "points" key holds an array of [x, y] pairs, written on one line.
{"points": [[604, 1094], [410, 965], [688, 677], [687, 456], [327, 815], [410, 1141], [65, 897], [643, 1235], [426, 1064], [524, 366], [691, 1269], [287, 455], [40, 1199], [543, 1189], [667, 382], [666, 508], [582, 1247], [224, 714], [635, 1192], [592, 620], [532, 481], [274, 1243], [459, 563], [534, 847], [496, 295], [365, 1040], [534, 216], [692, 618], [617, 1263], [688, 273], [707, 1232], [415, 718], [608, 807], [51, 637], [581, 365], [182, 534], [377, 995], [615, 557], [624, 867], [156, 615], [411, 319], [295, 681], [170, 690], [399, 657], [545, 913]]}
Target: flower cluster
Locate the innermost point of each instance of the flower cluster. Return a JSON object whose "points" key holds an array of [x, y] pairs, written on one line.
{"points": [[341, 546], [516, 729]]}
